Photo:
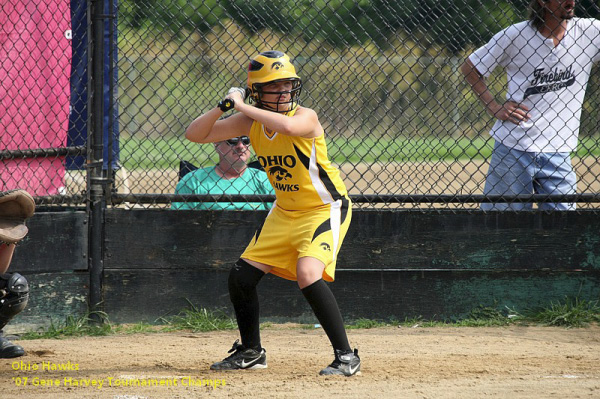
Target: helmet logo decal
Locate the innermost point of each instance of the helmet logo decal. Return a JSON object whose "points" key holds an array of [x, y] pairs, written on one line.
{"points": [[277, 65], [255, 65]]}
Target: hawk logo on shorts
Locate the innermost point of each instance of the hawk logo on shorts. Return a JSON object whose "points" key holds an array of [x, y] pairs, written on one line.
{"points": [[277, 65], [325, 246], [280, 173]]}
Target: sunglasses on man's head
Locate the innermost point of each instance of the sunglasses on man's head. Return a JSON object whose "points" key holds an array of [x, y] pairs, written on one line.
{"points": [[235, 140]]}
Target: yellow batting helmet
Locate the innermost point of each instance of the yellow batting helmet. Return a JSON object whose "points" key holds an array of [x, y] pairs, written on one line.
{"points": [[270, 67]]}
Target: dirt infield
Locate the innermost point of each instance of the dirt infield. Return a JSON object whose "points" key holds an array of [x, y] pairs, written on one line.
{"points": [[458, 177], [511, 362]]}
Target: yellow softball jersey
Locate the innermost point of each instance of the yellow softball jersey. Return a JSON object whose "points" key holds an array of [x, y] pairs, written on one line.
{"points": [[298, 168]]}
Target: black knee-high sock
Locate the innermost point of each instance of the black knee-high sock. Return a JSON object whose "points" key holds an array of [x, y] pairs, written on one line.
{"points": [[243, 279], [323, 303]]}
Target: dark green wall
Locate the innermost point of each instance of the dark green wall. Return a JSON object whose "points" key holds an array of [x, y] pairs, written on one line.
{"points": [[392, 265], [53, 258]]}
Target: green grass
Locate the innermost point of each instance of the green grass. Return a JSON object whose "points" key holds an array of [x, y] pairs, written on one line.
{"points": [[368, 323], [199, 320], [487, 317], [138, 328], [165, 152], [74, 327], [570, 313], [479, 317]]}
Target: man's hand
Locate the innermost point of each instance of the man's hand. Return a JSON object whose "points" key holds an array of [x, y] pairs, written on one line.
{"points": [[510, 111]]}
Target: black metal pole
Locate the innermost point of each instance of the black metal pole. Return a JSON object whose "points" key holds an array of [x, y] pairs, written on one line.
{"points": [[96, 180], [110, 173]]}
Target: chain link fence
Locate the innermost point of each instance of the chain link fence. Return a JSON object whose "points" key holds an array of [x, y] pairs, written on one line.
{"points": [[403, 125]]}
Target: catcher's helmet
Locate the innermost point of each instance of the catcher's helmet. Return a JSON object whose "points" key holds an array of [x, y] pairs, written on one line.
{"points": [[270, 67]]}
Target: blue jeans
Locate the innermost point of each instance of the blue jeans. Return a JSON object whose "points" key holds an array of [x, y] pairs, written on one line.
{"points": [[514, 172]]}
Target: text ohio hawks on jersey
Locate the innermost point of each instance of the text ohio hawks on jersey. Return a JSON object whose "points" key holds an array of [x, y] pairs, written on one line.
{"points": [[298, 168]]}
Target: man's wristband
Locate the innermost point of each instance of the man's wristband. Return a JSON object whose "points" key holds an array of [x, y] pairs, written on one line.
{"points": [[226, 104]]}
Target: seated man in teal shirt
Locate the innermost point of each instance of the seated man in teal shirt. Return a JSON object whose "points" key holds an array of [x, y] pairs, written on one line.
{"points": [[230, 176]]}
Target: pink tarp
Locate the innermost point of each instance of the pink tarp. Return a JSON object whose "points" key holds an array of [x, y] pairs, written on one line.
{"points": [[35, 65]]}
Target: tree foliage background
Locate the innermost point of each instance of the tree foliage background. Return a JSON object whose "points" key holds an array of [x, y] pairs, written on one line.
{"points": [[394, 61], [383, 75]]}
